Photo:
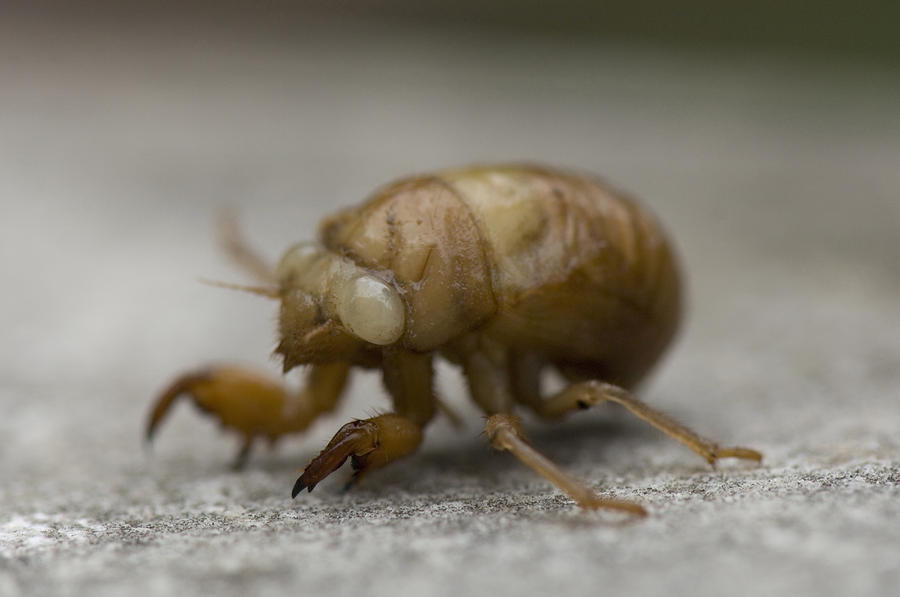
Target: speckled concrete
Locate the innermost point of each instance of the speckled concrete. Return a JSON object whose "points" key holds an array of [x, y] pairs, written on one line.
{"points": [[778, 179]]}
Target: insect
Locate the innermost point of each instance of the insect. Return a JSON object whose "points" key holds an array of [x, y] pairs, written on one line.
{"points": [[505, 271]]}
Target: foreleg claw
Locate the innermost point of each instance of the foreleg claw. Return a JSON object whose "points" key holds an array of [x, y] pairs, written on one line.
{"points": [[369, 443]]}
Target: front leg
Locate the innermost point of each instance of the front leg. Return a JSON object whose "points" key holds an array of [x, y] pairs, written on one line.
{"points": [[370, 443], [253, 404], [377, 441]]}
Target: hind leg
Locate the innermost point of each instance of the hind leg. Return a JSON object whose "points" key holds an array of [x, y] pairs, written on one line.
{"points": [[583, 395], [252, 404]]}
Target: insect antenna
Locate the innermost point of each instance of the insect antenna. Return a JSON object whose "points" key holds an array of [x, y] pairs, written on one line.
{"points": [[239, 251], [267, 291]]}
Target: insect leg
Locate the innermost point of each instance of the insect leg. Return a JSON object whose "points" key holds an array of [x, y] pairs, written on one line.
{"points": [[525, 379], [240, 461], [494, 378], [590, 393], [252, 404], [377, 441], [369, 443], [505, 433], [485, 368]]}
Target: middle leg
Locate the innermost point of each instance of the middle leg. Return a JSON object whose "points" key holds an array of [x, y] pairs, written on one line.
{"points": [[495, 378], [505, 433]]}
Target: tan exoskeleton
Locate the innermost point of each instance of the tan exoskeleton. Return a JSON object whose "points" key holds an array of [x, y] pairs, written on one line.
{"points": [[504, 271]]}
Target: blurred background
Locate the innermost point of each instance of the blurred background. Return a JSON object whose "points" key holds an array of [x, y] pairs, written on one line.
{"points": [[125, 126], [766, 135]]}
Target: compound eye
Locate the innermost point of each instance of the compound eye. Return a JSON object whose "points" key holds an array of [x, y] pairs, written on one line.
{"points": [[371, 310]]}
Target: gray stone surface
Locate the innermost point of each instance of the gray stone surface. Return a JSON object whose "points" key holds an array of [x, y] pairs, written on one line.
{"points": [[778, 179]]}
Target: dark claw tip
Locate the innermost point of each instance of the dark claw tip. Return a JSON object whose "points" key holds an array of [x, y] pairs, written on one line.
{"points": [[298, 487]]}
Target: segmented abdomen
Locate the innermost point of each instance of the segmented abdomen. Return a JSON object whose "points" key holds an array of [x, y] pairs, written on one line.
{"points": [[580, 272]]}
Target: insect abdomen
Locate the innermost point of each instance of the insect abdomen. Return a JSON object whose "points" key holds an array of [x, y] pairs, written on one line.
{"points": [[580, 274]]}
